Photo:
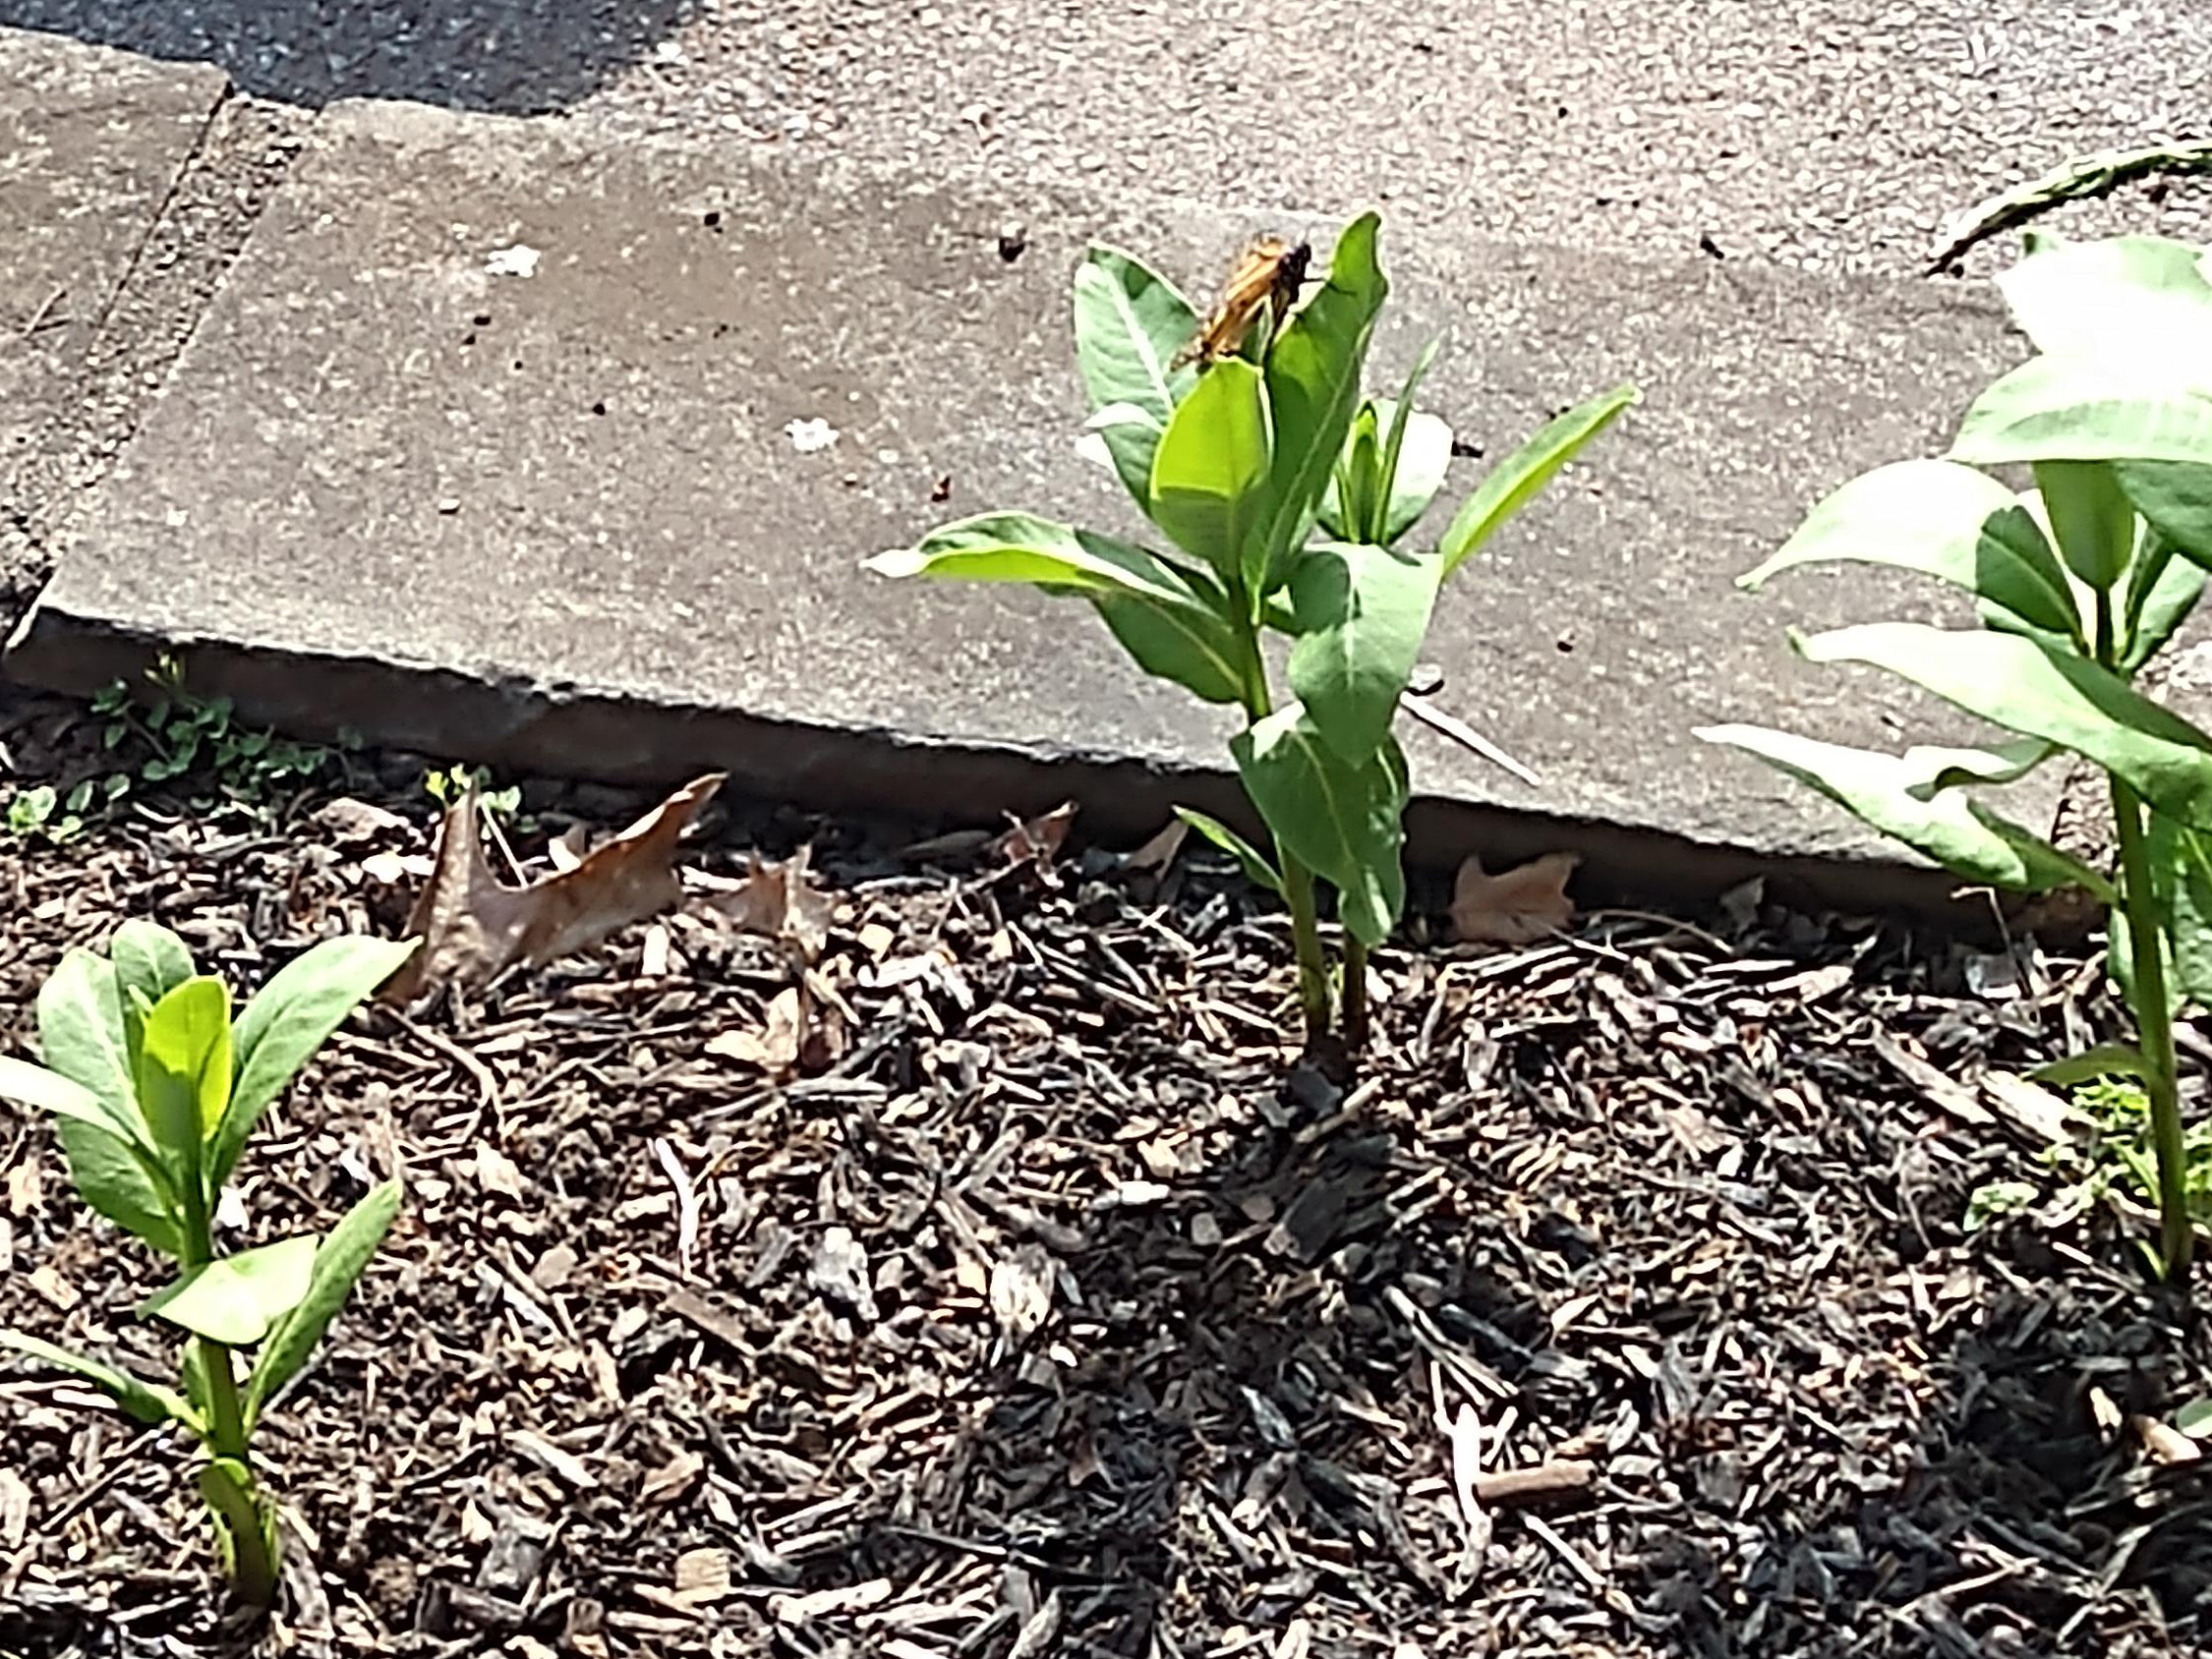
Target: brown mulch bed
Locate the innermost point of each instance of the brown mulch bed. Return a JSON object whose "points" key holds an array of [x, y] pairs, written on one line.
{"points": [[1624, 1308]]}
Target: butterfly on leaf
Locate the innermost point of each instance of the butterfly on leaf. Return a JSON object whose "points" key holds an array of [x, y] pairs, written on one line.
{"points": [[1268, 278]]}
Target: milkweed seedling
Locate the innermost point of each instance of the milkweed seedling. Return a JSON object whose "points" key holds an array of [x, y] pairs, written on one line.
{"points": [[153, 1090]]}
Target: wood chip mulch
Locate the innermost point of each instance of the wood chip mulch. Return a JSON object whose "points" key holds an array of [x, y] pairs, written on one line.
{"points": [[1624, 1307]]}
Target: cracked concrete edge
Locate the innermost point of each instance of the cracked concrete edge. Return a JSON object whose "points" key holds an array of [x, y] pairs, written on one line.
{"points": [[528, 728], [243, 149]]}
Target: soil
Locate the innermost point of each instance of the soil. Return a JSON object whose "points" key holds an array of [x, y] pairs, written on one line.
{"points": [[1624, 1306]]}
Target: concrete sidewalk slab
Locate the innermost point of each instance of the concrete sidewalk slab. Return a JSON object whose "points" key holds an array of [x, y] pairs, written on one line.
{"points": [[558, 521], [92, 145]]}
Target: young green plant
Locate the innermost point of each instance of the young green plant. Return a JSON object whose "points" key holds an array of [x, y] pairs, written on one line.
{"points": [[153, 1090], [2079, 583], [1287, 496]]}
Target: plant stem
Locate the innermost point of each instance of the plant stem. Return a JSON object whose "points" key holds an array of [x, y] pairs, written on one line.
{"points": [[1297, 880], [1355, 994], [250, 1559], [2154, 1025]]}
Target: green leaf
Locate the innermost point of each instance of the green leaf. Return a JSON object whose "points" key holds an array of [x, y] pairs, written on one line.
{"points": [[2176, 499], [2021, 684], [1893, 794], [1517, 479], [338, 1265], [236, 1299], [1940, 519], [2181, 866], [1424, 455], [2162, 589], [1209, 473], [1314, 372], [2124, 296], [148, 959], [2105, 1059], [1341, 818], [1255, 863], [184, 1071], [1187, 635], [1131, 321], [80, 1031], [149, 1403], [1352, 506], [281, 1029], [2088, 409], [2091, 519], [2194, 1419], [1362, 611], [123, 1181]]}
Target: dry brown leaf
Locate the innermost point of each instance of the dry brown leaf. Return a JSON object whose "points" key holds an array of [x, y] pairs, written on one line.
{"points": [[1525, 903], [1158, 852], [473, 927], [774, 1045], [781, 901], [1035, 842]]}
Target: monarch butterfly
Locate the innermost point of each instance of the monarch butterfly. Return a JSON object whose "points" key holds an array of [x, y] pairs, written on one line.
{"points": [[1268, 275]]}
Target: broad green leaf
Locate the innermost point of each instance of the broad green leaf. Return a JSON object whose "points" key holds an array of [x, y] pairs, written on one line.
{"points": [[2091, 519], [123, 1181], [1940, 519], [149, 1403], [2177, 499], [81, 1030], [184, 1071], [2105, 1059], [1887, 791], [148, 958], [1363, 611], [1209, 473], [236, 1299], [1342, 819], [339, 1260], [1188, 637], [2118, 295], [1131, 321], [1258, 871], [2019, 683], [1168, 645], [2088, 409], [1929, 767], [1516, 481], [292, 1017], [2163, 588], [1314, 372]]}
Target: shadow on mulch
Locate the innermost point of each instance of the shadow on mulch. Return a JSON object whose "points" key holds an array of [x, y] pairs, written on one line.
{"points": [[1049, 1321], [511, 57]]}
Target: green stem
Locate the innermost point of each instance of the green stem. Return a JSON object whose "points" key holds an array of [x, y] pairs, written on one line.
{"points": [[241, 1519], [1297, 880], [2154, 1024], [1355, 994]]}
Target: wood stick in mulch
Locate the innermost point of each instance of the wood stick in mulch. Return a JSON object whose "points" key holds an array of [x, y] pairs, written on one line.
{"points": [[1552, 1482]]}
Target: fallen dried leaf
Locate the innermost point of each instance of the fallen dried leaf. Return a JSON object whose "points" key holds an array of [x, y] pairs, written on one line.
{"points": [[781, 902], [1525, 903], [473, 927], [1036, 842], [1158, 852]]}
